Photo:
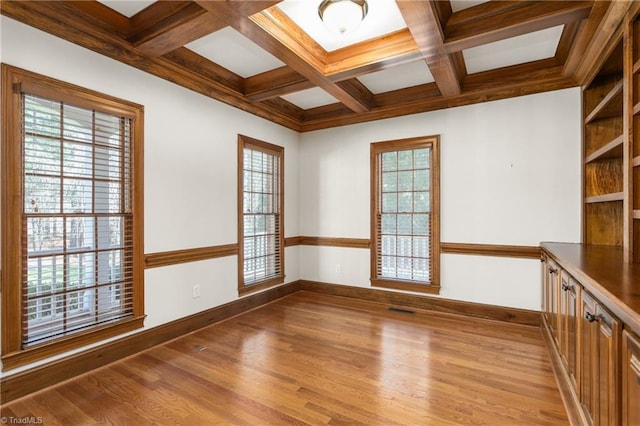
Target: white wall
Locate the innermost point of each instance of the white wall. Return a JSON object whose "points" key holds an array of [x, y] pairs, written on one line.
{"points": [[510, 174], [190, 168]]}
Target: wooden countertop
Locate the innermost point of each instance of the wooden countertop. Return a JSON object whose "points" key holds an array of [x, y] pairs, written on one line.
{"points": [[603, 273]]}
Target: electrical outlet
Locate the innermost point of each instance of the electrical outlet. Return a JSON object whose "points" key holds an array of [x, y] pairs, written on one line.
{"points": [[338, 268], [196, 291]]}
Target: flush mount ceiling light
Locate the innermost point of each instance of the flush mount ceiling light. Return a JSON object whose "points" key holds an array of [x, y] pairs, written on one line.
{"points": [[342, 16]]}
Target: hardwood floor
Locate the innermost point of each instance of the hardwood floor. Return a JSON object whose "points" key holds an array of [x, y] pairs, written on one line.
{"points": [[319, 359]]}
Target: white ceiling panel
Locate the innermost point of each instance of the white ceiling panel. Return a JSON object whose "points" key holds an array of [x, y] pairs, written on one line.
{"points": [[399, 77], [127, 7], [517, 50], [384, 17], [310, 98], [458, 5], [235, 52]]}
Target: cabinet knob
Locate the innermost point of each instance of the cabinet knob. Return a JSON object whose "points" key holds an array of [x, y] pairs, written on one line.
{"points": [[590, 317]]}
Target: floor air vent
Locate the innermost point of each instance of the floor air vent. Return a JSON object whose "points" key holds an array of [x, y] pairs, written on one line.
{"points": [[200, 348], [400, 310]]}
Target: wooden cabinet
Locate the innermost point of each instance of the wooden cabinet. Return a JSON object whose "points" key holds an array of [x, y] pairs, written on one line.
{"points": [[630, 379], [598, 370]]}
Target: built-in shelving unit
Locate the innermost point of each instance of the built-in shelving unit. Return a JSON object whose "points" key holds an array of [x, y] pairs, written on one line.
{"points": [[634, 150], [604, 152]]}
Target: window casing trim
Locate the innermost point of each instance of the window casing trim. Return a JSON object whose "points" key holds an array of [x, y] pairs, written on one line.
{"points": [[15, 81], [433, 142], [278, 152]]}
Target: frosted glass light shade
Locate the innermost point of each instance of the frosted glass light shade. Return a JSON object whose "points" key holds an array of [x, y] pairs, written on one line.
{"points": [[342, 16]]}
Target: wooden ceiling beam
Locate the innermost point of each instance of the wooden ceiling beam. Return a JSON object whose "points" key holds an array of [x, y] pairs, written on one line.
{"points": [[517, 19], [62, 20], [603, 41], [567, 39], [372, 55], [166, 26], [424, 23], [340, 65], [274, 83], [274, 32], [518, 80], [586, 32]]}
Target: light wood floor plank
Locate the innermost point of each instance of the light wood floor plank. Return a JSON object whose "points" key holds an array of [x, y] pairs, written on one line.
{"points": [[318, 359]]}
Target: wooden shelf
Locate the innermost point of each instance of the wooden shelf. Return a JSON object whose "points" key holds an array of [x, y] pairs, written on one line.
{"points": [[636, 214], [636, 161], [609, 106], [611, 150], [636, 109], [605, 198], [636, 66]]}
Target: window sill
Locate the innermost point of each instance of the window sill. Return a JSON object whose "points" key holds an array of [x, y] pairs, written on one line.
{"points": [[260, 285], [45, 350]]}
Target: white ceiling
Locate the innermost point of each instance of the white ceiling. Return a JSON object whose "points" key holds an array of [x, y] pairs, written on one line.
{"points": [[127, 7], [399, 77], [458, 5], [231, 50], [512, 51], [384, 17], [310, 98]]}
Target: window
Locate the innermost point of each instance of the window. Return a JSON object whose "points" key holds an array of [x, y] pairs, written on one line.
{"points": [[260, 218], [72, 217], [405, 249]]}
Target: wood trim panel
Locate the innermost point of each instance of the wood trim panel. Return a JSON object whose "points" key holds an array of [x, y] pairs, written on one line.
{"points": [[17, 385], [166, 258], [528, 252], [292, 241], [475, 310], [362, 243]]}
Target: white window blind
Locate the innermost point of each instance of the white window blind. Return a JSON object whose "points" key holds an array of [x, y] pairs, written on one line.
{"points": [[77, 218], [404, 215], [261, 215]]}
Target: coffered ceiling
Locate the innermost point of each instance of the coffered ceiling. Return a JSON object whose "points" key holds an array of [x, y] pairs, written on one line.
{"points": [[276, 59]]}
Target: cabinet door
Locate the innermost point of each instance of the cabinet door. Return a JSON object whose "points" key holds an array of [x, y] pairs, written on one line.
{"points": [[554, 299], [544, 301], [608, 410], [588, 356], [564, 309], [630, 379], [573, 298]]}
